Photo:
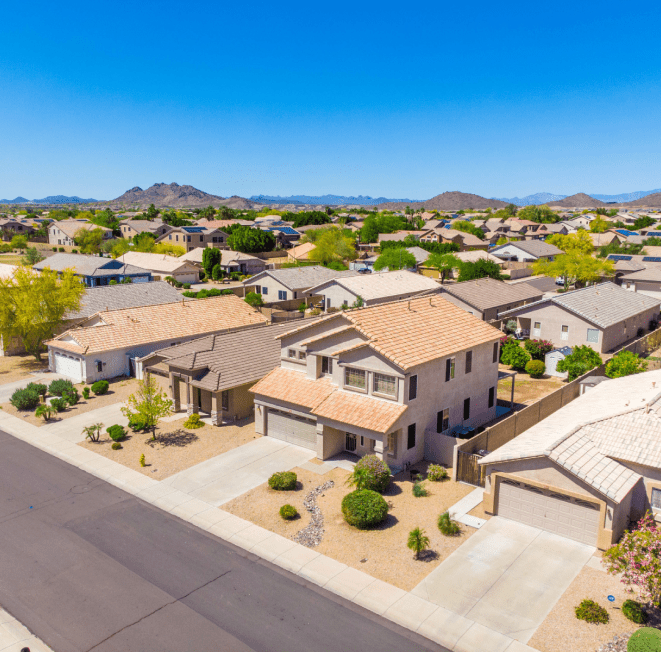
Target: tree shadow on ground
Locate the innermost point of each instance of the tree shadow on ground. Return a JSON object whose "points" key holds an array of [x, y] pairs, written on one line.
{"points": [[428, 555]]}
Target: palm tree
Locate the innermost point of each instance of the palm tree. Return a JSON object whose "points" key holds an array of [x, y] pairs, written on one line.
{"points": [[417, 541], [93, 432], [45, 411], [359, 479]]}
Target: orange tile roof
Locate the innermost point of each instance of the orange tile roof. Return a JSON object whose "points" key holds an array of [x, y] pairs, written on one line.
{"points": [[410, 333], [360, 411], [293, 387], [147, 324]]}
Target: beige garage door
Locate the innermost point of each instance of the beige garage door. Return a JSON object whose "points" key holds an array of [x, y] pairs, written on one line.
{"points": [[292, 428], [568, 517]]}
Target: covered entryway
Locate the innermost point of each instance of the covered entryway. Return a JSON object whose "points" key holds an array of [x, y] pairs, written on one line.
{"points": [[292, 428], [68, 366], [554, 512]]}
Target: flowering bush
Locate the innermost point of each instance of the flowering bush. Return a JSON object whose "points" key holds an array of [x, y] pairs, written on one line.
{"points": [[371, 473], [436, 473], [638, 558], [538, 348]]}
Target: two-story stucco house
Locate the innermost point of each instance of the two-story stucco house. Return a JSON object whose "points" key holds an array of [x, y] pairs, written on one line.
{"points": [[63, 233], [394, 380], [190, 237]]}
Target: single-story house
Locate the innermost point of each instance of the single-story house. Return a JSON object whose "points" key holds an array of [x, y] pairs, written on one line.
{"points": [[107, 344], [604, 239], [130, 228], [230, 261], [399, 236], [95, 270], [465, 240], [526, 251], [214, 374], [372, 289], [162, 265], [645, 281], [602, 316], [589, 469], [486, 298], [291, 283], [63, 232]]}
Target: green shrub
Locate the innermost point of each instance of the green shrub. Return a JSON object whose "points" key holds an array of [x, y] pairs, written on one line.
{"points": [[591, 612], [535, 368], [224, 292], [54, 248], [116, 446], [514, 356], [376, 473], [186, 286], [447, 526], [71, 397], [288, 512], [216, 273], [364, 508], [283, 481], [42, 390], [100, 387], [645, 639], [419, 491], [112, 282], [436, 473], [633, 610], [45, 411], [86, 393], [60, 404], [59, 387], [253, 299], [136, 422], [142, 460], [74, 251], [193, 422], [25, 399], [116, 432], [61, 249]]}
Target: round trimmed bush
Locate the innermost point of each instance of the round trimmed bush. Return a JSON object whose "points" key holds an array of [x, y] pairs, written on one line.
{"points": [[633, 610], [364, 508], [100, 387], [86, 393], [72, 397], [377, 476], [288, 512], [436, 473], [535, 368], [116, 432], [591, 612], [645, 639], [194, 421], [283, 481], [25, 399], [41, 389], [60, 404], [116, 446], [59, 387]]}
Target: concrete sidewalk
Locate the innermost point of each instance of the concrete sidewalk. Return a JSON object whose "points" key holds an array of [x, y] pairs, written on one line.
{"points": [[14, 636]]}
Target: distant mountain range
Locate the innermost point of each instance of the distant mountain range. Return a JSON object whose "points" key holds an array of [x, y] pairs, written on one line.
{"points": [[331, 200], [51, 199], [176, 196], [547, 197]]}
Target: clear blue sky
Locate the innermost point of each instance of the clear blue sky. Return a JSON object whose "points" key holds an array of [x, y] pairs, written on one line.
{"points": [[404, 99]]}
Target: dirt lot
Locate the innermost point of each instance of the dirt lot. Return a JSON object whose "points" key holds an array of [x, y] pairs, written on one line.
{"points": [[17, 367], [562, 631], [177, 448], [120, 389], [384, 549], [527, 390]]}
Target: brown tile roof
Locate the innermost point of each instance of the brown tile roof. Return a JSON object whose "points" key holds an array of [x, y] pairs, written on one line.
{"points": [[485, 293], [293, 387], [150, 324], [360, 411], [410, 333]]}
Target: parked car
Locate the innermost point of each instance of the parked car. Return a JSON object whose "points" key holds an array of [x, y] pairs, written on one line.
{"points": [[364, 270]]}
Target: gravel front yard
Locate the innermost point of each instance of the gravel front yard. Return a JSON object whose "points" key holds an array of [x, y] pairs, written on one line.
{"points": [[561, 631], [120, 389], [177, 448], [17, 367], [384, 549]]}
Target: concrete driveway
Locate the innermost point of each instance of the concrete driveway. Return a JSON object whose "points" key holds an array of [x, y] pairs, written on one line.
{"points": [[507, 576], [231, 474]]}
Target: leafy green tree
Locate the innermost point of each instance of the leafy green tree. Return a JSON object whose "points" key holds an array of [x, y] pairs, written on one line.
{"points": [[210, 258], [579, 362], [444, 263], [395, 259], [250, 241], [33, 305], [468, 227], [332, 245], [575, 267], [514, 356], [625, 363], [599, 225], [616, 247], [573, 242], [19, 242], [306, 218], [148, 405], [31, 256], [417, 541], [254, 299], [207, 213], [540, 214], [107, 219], [643, 222], [152, 212], [89, 241], [511, 209], [479, 269]]}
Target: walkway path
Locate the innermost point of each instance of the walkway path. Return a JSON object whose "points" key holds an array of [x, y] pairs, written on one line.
{"points": [[14, 636]]}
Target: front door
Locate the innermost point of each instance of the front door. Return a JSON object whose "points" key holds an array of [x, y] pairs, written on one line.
{"points": [[351, 442]]}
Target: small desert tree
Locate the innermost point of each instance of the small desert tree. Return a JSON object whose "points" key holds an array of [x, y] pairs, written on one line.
{"points": [[148, 405], [625, 363], [417, 541]]}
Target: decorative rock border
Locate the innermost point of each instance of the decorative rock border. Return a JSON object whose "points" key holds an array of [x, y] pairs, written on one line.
{"points": [[311, 535]]}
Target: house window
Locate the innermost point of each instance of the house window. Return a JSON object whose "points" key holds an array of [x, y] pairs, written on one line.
{"points": [[410, 440], [225, 400], [383, 384], [467, 409], [413, 387], [355, 378], [449, 369], [291, 353], [537, 328], [492, 396], [495, 352], [392, 444], [469, 361], [301, 355], [564, 335], [656, 499], [265, 290], [593, 335], [282, 295], [99, 366], [326, 365], [443, 420]]}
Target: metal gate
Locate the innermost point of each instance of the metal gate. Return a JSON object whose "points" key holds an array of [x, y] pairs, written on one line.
{"points": [[468, 469]]}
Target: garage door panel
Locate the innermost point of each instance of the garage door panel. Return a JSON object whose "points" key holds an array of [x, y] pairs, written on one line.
{"points": [[292, 429], [68, 367]]}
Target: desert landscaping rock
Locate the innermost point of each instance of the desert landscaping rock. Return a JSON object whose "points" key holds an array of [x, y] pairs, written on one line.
{"points": [[618, 644], [311, 535]]}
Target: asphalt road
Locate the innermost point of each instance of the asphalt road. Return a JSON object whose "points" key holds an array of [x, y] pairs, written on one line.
{"points": [[86, 566]]}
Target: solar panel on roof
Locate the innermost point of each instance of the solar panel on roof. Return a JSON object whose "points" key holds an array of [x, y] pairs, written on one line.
{"points": [[193, 229], [652, 259], [625, 232], [653, 235], [618, 257]]}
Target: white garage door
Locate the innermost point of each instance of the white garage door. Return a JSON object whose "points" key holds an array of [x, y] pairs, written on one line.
{"points": [[291, 428], [69, 367], [568, 517]]}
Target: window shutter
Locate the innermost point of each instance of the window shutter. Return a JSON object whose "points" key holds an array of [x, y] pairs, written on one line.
{"points": [[469, 361], [413, 387], [495, 352], [448, 362], [492, 395], [411, 436], [467, 409], [439, 421]]}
